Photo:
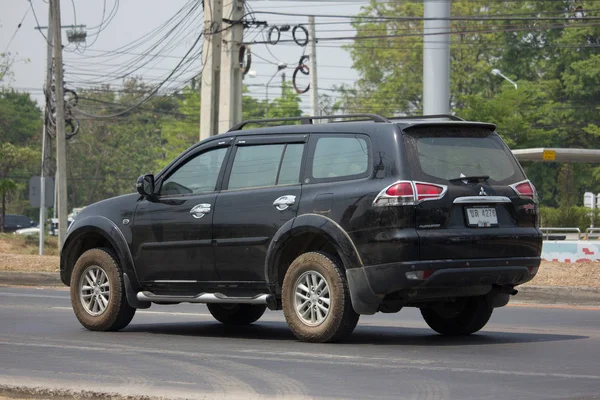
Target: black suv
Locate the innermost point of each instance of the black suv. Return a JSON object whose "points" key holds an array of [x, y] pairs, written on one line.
{"points": [[325, 221]]}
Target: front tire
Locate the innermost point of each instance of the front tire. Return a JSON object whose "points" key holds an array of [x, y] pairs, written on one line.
{"points": [[316, 300], [236, 314], [98, 293], [468, 315]]}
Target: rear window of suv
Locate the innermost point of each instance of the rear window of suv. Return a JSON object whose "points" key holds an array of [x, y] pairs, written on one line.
{"points": [[438, 154]]}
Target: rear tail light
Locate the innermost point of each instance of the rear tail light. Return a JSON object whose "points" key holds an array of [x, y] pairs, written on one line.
{"points": [[427, 191], [404, 193], [525, 189]]}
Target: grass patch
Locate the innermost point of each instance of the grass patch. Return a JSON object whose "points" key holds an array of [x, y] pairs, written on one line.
{"points": [[27, 244]]}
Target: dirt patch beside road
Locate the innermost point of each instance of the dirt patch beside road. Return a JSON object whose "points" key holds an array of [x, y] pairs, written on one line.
{"points": [[28, 263], [586, 274]]}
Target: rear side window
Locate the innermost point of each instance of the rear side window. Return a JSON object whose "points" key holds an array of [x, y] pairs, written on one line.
{"points": [[266, 165], [340, 157], [440, 154]]}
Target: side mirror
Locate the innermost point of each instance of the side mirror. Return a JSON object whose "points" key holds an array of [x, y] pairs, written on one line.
{"points": [[145, 185]]}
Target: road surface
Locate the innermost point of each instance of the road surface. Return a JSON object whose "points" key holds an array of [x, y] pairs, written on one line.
{"points": [[525, 352]]}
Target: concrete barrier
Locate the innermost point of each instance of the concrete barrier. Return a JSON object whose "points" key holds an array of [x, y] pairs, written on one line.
{"points": [[570, 251]]}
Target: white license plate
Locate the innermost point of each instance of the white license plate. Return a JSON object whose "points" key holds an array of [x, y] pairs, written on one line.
{"points": [[482, 217]]}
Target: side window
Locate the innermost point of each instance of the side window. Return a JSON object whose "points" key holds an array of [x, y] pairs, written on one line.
{"points": [[337, 157], [266, 165], [198, 175], [289, 173]]}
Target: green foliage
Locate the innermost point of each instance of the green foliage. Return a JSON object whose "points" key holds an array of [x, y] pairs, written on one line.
{"points": [[568, 217], [20, 121]]}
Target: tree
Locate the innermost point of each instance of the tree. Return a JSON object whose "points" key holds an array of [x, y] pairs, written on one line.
{"points": [[20, 127], [12, 158]]}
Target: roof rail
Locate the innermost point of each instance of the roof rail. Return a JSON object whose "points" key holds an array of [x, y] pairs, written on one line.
{"points": [[307, 120], [432, 116]]}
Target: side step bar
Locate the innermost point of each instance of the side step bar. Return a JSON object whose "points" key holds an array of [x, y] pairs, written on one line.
{"points": [[204, 298]]}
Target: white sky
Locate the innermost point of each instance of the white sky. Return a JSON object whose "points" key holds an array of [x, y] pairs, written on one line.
{"points": [[137, 17]]}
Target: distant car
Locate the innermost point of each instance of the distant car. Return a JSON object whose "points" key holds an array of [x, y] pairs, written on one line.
{"points": [[13, 222], [28, 231]]}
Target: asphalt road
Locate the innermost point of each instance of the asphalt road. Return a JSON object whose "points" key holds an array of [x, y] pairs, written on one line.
{"points": [[525, 352]]}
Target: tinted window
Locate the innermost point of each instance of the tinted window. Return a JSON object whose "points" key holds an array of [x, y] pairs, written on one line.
{"points": [[340, 157], [255, 166], [266, 165], [198, 175], [446, 155], [290, 166]]}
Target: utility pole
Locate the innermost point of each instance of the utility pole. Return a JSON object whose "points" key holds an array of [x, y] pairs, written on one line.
{"points": [[314, 86], [211, 72], [230, 93], [436, 57], [61, 142], [47, 89]]}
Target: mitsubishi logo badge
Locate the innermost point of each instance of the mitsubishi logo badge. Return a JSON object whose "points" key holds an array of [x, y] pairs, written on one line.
{"points": [[482, 192]]}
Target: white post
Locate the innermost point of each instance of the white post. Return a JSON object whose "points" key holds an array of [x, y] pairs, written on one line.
{"points": [[436, 58], [47, 84], [314, 86], [210, 80], [61, 142], [230, 93]]}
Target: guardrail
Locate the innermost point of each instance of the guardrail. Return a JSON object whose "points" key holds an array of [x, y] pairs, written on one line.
{"points": [[590, 230], [547, 231]]}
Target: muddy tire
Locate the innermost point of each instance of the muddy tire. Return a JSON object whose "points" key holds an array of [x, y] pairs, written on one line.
{"points": [[316, 300], [236, 314], [98, 293], [466, 316]]}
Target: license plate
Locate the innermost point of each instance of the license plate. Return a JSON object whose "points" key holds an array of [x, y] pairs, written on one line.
{"points": [[482, 217]]}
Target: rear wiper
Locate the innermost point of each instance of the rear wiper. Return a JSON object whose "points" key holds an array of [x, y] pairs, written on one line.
{"points": [[471, 178]]}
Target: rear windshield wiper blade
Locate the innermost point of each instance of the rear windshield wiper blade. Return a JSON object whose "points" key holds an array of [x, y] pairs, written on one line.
{"points": [[471, 178]]}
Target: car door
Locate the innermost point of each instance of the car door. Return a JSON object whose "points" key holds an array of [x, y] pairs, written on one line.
{"points": [[172, 234], [261, 192]]}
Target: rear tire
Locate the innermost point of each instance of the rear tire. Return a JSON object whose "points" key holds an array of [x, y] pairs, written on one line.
{"points": [[316, 300], [98, 293], [468, 315], [236, 314]]}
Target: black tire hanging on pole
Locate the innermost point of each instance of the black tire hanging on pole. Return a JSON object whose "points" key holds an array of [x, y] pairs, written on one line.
{"points": [[303, 29], [270, 37], [304, 70]]}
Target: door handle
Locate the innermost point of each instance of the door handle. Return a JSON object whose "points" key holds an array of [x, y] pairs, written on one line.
{"points": [[200, 210], [283, 202]]}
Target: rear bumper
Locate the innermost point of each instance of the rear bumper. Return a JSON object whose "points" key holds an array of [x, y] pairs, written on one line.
{"points": [[369, 285]]}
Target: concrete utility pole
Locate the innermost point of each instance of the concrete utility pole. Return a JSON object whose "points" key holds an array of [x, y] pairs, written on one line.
{"points": [[314, 86], [61, 142], [436, 58], [230, 93], [211, 73], [47, 89]]}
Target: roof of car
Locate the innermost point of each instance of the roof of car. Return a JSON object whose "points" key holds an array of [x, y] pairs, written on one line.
{"points": [[364, 124]]}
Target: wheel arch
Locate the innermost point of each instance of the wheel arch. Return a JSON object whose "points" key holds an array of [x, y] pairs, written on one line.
{"points": [[93, 232], [309, 232]]}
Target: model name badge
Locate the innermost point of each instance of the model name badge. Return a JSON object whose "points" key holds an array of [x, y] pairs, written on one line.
{"points": [[430, 226]]}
